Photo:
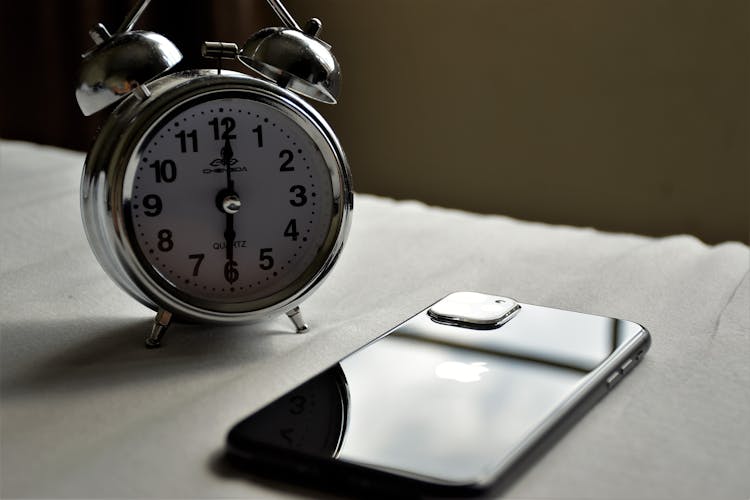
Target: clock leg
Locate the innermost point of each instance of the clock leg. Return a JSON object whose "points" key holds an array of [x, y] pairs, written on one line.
{"points": [[296, 316], [159, 328]]}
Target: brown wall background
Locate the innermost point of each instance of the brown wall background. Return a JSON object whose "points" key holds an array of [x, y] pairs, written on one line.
{"points": [[626, 116]]}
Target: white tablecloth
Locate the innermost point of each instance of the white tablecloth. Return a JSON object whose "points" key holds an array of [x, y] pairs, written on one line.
{"points": [[88, 412]]}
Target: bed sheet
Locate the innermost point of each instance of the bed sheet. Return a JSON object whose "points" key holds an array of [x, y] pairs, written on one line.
{"points": [[88, 412]]}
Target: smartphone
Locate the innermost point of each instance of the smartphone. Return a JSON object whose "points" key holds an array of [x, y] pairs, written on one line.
{"points": [[455, 401]]}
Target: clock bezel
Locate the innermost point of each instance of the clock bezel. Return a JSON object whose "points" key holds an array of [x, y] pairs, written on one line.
{"points": [[105, 202]]}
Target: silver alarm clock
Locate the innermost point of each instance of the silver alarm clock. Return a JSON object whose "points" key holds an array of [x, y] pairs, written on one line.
{"points": [[210, 195]]}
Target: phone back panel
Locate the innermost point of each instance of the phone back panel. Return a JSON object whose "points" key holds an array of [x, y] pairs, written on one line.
{"points": [[447, 404]]}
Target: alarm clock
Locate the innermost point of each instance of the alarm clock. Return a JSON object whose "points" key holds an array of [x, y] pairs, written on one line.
{"points": [[208, 195]]}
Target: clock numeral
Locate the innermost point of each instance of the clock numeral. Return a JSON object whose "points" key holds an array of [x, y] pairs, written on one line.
{"points": [[259, 131], [299, 196], [165, 240], [184, 136], [297, 404], [287, 433], [198, 260], [231, 274], [289, 157], [266, 260], [165, 170], [228, 123], [291, 230], [152, 204]]}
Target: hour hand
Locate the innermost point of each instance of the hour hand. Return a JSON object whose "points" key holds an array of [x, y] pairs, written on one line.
{"points": [[227, 200], [226, 151], [227, 154]]}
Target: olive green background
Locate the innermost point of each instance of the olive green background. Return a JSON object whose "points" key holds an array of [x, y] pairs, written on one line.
{"points": [[626, 116], [622, 115]]}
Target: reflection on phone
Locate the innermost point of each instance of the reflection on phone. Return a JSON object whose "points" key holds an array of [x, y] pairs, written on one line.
{"points": [[310, 419]]}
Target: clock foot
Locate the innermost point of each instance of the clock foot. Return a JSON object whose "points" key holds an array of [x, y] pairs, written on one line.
{"points": [[159, 328], [296, 316]]}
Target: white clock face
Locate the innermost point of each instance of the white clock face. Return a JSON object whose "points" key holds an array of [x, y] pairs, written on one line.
{"points": [[239, 235]]}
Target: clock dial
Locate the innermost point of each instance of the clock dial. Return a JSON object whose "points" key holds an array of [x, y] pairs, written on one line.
{"points": [[230, 200]]}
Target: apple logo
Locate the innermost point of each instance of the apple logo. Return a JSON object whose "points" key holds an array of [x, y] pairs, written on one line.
{"points": [[461, 372]]}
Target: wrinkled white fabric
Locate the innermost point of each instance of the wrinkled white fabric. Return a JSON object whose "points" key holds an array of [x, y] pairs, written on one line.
{"points": [[88, 412]]}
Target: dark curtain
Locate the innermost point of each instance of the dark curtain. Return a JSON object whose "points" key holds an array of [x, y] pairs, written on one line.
{"points": [[42, 42]]}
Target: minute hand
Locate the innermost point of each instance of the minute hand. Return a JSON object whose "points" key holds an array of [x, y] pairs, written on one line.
{"points": [[230, 205]]}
